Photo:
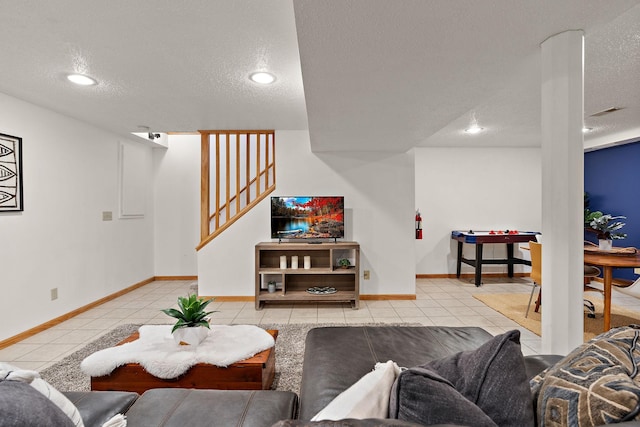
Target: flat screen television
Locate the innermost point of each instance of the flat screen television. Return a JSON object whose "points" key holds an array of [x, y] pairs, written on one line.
{"points": [[309, 217]]}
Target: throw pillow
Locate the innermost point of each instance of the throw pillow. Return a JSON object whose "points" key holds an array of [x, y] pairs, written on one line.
{"points": [[22, 405], [597, 383], [483, 387], [12, 373], [367, 398]]}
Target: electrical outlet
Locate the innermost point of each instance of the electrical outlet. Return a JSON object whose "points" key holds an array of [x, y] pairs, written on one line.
{"points": [[367, 275], [107, 216], [54, 294]]}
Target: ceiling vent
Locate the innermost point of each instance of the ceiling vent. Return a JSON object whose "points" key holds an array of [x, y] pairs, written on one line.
{"points": [[607, 111]]}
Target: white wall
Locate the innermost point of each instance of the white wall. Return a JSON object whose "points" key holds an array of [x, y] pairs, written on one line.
{"points": [[474, 188], [177, 206], [60, 241], [379, 202]]}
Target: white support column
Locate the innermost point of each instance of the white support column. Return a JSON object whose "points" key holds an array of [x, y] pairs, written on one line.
{"points": [[562, 191]]}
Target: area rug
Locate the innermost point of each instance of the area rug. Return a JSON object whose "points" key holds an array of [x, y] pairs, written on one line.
{"points": [[67, 376], [514, 306]]}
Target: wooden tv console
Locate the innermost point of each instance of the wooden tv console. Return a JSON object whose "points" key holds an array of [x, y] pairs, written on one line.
{"points": [[325, 271]]}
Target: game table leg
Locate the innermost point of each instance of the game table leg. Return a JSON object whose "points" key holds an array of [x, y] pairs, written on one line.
{"points": [[478, 264], [510, 259], [459, 263]]}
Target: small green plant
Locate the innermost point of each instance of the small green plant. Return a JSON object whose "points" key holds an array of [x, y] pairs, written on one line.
{"points": [[606, 226], [343, 262], [191, 312]]}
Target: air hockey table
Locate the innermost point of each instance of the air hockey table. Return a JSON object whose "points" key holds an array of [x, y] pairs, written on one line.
{"points": [[479, 238]]}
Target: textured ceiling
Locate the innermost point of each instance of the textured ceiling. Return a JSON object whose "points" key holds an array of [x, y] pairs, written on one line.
{"points": [[375, 75], [387, 75], [170, 65]]}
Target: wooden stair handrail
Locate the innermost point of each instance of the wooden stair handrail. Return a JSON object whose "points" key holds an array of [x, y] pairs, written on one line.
{"points": [[263, 179]]}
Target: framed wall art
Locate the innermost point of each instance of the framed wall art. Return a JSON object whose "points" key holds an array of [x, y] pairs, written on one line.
{"points": [[10, 173]]}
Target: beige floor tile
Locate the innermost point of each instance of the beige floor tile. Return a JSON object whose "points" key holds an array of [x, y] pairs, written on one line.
{"points": [[423, 303], [305, 312], [462, 311], [94, 313], [50, 335], [47, 352], [357, 314], [384, 312], [409, 312], [78, 336], [402, 303], [16, 351], [330, 312], [435, 311], [277, 318], [73, 323], [100, 324]]}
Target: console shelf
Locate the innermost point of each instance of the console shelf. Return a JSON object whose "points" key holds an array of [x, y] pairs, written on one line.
{"points": [[325, 271]]}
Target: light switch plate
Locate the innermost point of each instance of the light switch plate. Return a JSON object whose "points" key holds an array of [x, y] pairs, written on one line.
{"points": [[107, 216]]}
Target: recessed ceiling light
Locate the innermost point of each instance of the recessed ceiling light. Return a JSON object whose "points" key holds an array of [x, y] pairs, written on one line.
{"points": [[262, 77], [81, 79], [474, 129], [586, 129]]}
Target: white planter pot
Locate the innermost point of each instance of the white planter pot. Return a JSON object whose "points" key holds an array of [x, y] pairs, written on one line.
{"points": [[190, 336], [605, 245]]}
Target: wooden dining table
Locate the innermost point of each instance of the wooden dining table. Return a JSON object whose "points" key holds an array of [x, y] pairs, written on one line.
{"points": [[609, 261]]}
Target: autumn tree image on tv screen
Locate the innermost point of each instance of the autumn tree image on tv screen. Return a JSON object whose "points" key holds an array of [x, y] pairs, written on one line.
{"points": [[307, 217]]}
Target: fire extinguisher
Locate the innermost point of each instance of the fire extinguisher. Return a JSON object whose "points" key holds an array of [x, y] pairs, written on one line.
{"points": [[418, 225]]}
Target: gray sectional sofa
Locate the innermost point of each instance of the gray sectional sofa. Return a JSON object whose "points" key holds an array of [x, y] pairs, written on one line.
{"points": [[487, 371]]}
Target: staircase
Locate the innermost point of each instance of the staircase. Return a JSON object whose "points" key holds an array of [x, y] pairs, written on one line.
{"points": [[238, 170]]}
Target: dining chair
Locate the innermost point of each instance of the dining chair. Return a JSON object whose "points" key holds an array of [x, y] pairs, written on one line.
{"points": [[536, 276], [536, 273], [590, 272]]}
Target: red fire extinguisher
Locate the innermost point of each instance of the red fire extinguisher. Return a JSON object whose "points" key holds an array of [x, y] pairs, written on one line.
{"points": [[418, 225]]}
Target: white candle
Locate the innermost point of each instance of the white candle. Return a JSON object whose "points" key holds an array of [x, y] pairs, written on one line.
{"points": [[294, 261], [307, 262], [283, 261]]}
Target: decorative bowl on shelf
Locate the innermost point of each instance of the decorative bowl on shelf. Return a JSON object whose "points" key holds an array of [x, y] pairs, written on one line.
{"points": [[322, 290]]}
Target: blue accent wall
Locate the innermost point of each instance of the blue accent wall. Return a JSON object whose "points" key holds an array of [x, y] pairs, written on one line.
{"points": [[612, 179]]}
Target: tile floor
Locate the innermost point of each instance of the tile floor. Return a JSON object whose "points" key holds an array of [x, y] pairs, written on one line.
{"points": [[447, 302]]}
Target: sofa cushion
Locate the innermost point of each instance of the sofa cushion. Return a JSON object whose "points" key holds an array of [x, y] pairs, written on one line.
{"points": [[483, 387], [14, 373], [368, 398], [22, 405], [597, 383], [337, 357], [172, 407], [98, 407]]}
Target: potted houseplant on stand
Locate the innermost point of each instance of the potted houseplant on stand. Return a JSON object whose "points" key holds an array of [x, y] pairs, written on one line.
{"points": [[606, 227], [192, 325], [344, 263]]}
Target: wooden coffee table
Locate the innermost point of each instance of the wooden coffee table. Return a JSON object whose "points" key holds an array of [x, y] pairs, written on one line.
{"points": [[255, 373]]}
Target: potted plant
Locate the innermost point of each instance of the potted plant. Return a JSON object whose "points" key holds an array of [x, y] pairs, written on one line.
{"points": [[606, 227], [344, 263], [193, 324], [271, 286]]}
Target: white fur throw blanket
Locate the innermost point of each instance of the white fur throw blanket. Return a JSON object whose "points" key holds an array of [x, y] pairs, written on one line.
{"points": [[162, 357]]}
